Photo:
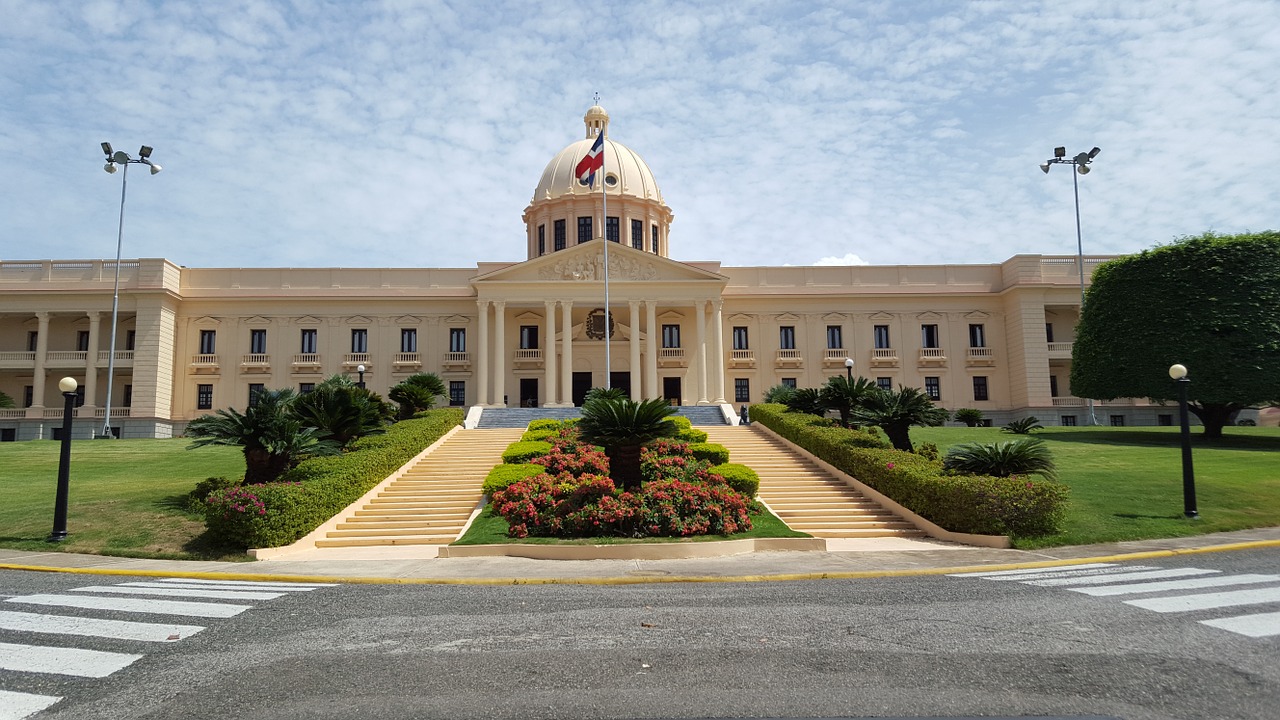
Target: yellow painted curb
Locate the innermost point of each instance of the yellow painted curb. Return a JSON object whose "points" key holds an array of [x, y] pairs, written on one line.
{"points": [[641, 580]]}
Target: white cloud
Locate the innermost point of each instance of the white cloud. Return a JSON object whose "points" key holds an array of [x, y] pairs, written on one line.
{"points": [[847, 259]]}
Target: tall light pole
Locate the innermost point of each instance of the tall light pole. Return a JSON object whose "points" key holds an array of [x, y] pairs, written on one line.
{"points": [[1081, 162], [68, 387], [1189, 509], [113, 159]]}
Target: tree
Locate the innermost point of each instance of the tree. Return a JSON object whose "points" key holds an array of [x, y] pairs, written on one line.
{"points": [[969, 416], [843, 394], [623, 427], [272, 437], [895, 411], [806, 400], [341, 411], [779, 394], [5, 401], [1211, 303], [416, 393]]}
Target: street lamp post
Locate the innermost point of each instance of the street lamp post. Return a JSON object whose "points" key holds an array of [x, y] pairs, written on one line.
{"points": [[360, 370], [1081, 162], [848, 367], [1179, 373], [113, 159], [68, 387]]}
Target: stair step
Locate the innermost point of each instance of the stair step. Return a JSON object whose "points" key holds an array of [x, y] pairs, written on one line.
{"points": [[376, 542], [440, 530]]}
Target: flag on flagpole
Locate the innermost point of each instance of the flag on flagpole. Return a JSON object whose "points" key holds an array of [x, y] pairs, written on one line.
{"points": [[593, 161]]}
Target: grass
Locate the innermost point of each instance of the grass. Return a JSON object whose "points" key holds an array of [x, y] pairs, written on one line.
{"points": [[125, 497], [1126, 483], [490, 529]]}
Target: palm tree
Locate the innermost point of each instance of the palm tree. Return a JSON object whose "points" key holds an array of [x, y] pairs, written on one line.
{"points": [[623, 426], [843, 394], [806, 400], [896, 411], [1024, 456], [272, 437], [341, 411], [416, 393]]}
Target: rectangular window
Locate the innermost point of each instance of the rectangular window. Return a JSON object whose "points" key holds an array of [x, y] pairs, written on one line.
{"points": [[740, 339], [28, 396], [33, 339], [457, 339], [933, 388], [542, 240], [258, 342], [408, 340], [208, 342], [741, 390], [304, 388], [929, 336], [979, 388], [611, 229], [670, 336], [1053, 386], [835, 337], [559, 238], [789, 382], [1164, 420], [80, 396], [787, 337], [359, 340], [584, 229], [204, 397], [255, 389], [309, 341], [129, 337], [457, 393], [528, 337], [128, 397], [654, 237], [1068, 420], [637, 234], [1048, 332], [1117, 421], [82, 341], [884, 383], [977, 336], [881, 336]]}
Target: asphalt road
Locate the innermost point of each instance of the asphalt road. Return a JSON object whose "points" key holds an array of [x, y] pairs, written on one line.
{"points": [[934, 646]]}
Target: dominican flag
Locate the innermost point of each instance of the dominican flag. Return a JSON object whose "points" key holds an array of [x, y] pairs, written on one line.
{"points": [[594, 160]]}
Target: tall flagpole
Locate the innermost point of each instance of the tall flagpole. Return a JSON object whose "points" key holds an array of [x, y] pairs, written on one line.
{"points": [[604, 230]]}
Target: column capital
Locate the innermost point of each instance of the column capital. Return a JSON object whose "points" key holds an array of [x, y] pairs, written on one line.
{"points": [[42, 316], [499, 304]]}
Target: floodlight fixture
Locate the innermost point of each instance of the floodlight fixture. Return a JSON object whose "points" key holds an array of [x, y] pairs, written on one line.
{"points": [[1045, 167], [110, 167], [1094, 152], [1082, 169], [144, 151], [155, 168], [1060, 152], [106, 148]]}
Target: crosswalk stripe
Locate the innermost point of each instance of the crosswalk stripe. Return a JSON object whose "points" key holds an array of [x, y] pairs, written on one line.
{"points": [[1208, 601], [1258, 625], [63, 661], [17, 705], [1188, 584], [1031, 571], [297, 587], [1122, 577], [94, 627], [135, 605], [180, 592], [1052, 575]]}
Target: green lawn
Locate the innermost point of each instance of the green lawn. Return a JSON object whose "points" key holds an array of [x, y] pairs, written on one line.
{"points": [[125, 496], [1126, 483]]}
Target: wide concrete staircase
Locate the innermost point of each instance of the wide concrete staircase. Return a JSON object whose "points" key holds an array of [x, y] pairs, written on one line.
{"points": [[429, 504], [806, 497]]}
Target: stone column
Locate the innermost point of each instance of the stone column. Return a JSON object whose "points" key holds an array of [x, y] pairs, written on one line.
{"points": [[566, 353], [549, 355], [500, 353], [717, 349], [652, 349], [482, 354], [700, 350], [637, 392], [42, 349], [91, 361]]}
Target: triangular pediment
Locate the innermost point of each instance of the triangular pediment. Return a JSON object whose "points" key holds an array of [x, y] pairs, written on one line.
{"points": [[358, 320], [585, 263], [529, 317], [976, 315], [881, 316], [307, 320], [256, 320], [929, 315], [670, 315], [408, 320], [456, 319], [834, 317], [206, 321], [787, 317], [740, 318]]}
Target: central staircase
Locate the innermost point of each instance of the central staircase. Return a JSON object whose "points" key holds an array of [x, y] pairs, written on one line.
{"points": [[802, 494]]}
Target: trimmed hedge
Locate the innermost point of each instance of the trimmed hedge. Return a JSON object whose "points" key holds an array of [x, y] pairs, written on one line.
{"points": [[714, 453], [680, 422], [524, 451], [960, 503], [549, 424], [501, 476], [740, 478], [691, 435], [280, 513], [539, 434]]}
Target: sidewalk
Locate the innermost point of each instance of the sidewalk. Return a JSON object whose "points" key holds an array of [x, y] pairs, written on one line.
{"points": [[866, 558]]}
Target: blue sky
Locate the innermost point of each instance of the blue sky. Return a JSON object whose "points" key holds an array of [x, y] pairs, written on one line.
{"points": [[405, 133]]}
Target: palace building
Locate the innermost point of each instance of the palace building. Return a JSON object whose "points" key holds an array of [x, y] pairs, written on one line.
{"points": [[535, 333]]}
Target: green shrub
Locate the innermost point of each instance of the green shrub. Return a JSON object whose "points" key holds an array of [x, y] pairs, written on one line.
{"points": [[1024, 456], [539, 434], [928, 451], [691, 435], [320, 487], [679, 422], [962, 503], [713, 453], [503, 475], [544, 424], [969, 416], [1023, 426], [740, 478], [195, 500], [525, 450]]}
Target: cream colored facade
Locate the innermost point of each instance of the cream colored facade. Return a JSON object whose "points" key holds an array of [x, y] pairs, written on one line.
{"points": [[192, 340]]}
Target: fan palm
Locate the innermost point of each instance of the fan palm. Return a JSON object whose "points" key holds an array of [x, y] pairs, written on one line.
{"points": [[416, 393], [1024, 456], [340, 411], [895, 411], [623, 426], [843, 394], [272, 438], [806, 400]]}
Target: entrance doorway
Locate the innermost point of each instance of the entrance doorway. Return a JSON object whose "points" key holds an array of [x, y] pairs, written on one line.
{"points": [[671, 390], [529, 392], [622, 381], [581, 385]]}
